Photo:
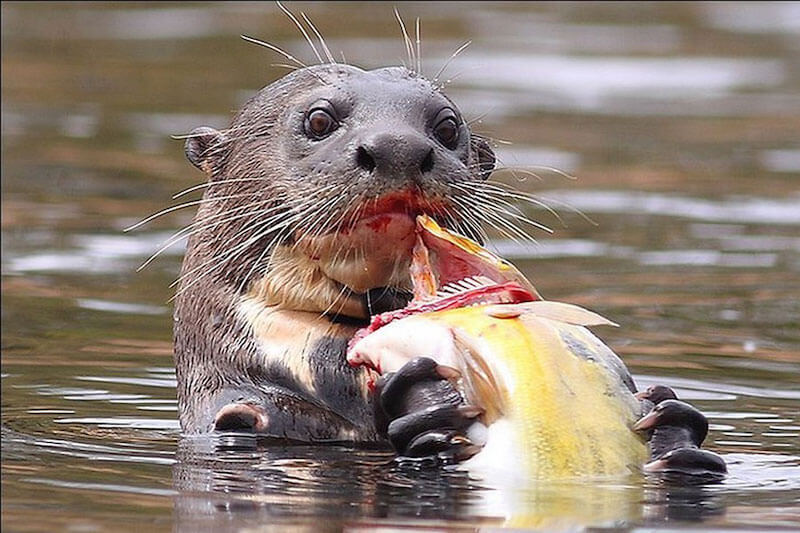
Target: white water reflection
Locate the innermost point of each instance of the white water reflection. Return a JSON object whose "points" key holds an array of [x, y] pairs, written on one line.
{"points": [[747, 210], [169, 424], [707, 258], [121, 307], [537, 160], [540, 32], [754, 17], [780, 160], [99, 254], [586, 82]]}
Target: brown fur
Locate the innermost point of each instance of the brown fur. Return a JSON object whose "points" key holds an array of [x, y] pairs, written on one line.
{"points": [[257, 321]]}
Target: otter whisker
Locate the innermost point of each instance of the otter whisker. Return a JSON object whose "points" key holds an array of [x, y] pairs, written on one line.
{"points": [[284, 219], [452, 221], [515, 170], [572, 208], [466, 225], [311, 231], [340, 296], [319, 37], [323, 222], [302, 30], [265, 251], [518, 216], [495, 221], [203, 225], [474, 223], [450, 60], [225, 258], [182, 136], [419, 51], [554, 170], [477, 120], [329, 208], [212, 184], [354, 214], [285, 65], [539, 201], [274, 48], [182, 206], [484, 219], [250, 133], [485, 202], [457, 75], [406, 38], [497, 196], [499, 229], [498, 188]]}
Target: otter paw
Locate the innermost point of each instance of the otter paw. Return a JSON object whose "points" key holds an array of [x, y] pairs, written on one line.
{"points": [[422, 414], [676, 430]]}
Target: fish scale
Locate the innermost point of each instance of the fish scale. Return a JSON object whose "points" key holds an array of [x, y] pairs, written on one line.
{"points": [[572, 416]]}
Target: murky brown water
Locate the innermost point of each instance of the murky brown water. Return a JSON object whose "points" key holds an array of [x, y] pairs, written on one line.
{"points": [[680, 121]]}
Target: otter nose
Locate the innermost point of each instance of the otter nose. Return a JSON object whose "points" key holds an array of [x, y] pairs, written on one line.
{"points": [[395, 153]]}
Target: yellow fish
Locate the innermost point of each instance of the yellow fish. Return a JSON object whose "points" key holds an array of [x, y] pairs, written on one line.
{"points": [[557, 402]]}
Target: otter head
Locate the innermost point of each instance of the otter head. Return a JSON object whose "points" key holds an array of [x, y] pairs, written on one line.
{"points": [[315, 187]]}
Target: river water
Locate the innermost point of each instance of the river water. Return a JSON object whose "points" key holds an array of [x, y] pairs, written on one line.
{"points": [[675, 132]]}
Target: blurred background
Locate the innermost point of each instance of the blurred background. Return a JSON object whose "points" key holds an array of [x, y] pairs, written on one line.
{"points": [[674, 128]]}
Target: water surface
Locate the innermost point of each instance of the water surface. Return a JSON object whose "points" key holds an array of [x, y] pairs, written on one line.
{"points": [[674, 129]]}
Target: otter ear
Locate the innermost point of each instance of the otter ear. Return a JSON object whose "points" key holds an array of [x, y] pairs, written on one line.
{"points": [[485, 155], [202, 148]]}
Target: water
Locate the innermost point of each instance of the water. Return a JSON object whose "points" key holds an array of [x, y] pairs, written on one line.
{"points": [[680, 122]]}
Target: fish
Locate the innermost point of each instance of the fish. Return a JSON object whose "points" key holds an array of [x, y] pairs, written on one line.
{"points": [[557, 403]]}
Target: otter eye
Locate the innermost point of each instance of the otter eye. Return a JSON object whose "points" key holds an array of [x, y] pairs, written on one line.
{"points": [[446, 131], [319, 123]]}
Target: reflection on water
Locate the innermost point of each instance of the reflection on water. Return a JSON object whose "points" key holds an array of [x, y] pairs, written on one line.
{"points": [[254, 484], [663, 135]]}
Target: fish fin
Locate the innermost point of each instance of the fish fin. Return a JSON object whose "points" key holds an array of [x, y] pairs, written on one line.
{"points": [[563, 312], [422, 276], [480, 386]]}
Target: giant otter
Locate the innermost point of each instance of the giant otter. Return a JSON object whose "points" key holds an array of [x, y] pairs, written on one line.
{"points": [[306, 229]]}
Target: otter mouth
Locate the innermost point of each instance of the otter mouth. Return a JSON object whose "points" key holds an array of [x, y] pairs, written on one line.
{"points": [[370, 245], [379, 213], [450, 271]]}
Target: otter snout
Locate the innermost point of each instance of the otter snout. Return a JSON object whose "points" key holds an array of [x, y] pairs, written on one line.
{"points": [[402, 154]]}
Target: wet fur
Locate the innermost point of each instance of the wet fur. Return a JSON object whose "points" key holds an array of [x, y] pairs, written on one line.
{"points": [[256, 322]]}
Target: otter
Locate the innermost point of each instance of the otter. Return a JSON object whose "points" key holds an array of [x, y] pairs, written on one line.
{"points": [[305, 229]]}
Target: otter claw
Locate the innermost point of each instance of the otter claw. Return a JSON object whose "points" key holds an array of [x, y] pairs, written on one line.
{"points": [[404, 429], [448, 372], [434, 442], [444, 445]]}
